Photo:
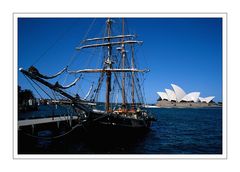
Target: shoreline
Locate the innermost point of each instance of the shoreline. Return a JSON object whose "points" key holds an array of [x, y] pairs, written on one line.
{"points": [[167, 104]]}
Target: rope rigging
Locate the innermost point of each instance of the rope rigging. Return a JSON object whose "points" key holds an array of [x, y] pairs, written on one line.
{"points": [[54, 137], [41, 88], [54, 43], [32, 86], [118, 69], [133, 79]]}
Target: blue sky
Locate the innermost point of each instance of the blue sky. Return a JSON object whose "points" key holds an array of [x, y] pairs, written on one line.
{"points": [[183, 51]]}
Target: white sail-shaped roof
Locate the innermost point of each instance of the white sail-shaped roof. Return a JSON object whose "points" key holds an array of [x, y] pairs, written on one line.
{"points": [[201, 99], [193, 96], [171, 95], [163, 95], [210, 98], [179, 92], [206, 99]]}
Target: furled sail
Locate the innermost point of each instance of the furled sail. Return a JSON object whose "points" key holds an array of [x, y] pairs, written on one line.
{"points": [[67, 86], [109, 44], [107, 70], [88, 92], [34, 70]]}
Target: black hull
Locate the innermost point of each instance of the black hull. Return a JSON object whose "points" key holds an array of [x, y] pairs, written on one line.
{"points": [[119, 122], [115, 131], [99, 125]]}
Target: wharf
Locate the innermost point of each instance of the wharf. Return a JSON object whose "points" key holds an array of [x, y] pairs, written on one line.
{"points": [[30, 122]]}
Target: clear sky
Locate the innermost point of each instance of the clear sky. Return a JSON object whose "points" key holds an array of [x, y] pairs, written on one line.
{"points": [[183, 51]]}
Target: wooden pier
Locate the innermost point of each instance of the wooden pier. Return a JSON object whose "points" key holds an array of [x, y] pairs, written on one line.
{"points": [[30, 122]]}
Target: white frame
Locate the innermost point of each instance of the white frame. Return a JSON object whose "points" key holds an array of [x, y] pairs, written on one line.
{"points": [[112, 156]]}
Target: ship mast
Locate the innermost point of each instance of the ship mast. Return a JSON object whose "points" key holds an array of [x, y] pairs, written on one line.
{"points": [[123, 66], [110, 41], [108, 62], [132, 64]]}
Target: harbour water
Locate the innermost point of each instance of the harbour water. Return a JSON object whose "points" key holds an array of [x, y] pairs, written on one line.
{"points": [[176, 131]]}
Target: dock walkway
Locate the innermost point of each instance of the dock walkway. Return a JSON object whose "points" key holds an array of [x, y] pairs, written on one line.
{"points": [[28, 122]]}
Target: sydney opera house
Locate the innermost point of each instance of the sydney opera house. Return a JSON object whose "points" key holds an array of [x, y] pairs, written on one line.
{"points": [[179, 95]]}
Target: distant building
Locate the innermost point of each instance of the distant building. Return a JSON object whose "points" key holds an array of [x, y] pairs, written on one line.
{"points": [[206, 99], [179, 95]]}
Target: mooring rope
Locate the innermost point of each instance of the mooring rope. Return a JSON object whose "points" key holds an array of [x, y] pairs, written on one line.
{"points": [[54, 137]]}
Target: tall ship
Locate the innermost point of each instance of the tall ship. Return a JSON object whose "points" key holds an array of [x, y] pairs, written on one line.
{"points": [[117, 84]]}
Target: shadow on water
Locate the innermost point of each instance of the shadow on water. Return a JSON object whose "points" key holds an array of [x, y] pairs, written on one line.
{"points": [[83, 142]]}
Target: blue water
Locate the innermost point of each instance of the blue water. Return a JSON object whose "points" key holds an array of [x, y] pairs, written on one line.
{"points": [[176, 131], [188, 131]]}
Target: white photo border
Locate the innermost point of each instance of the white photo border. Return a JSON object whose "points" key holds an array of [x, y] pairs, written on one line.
{"points": [[120, 156]]}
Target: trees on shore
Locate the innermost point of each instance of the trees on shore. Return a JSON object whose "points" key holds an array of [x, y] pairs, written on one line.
{"points": [[26, 100]]}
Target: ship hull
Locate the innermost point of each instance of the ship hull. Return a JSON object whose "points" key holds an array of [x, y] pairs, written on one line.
{"points": [[116, 129], [119, 123]]}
